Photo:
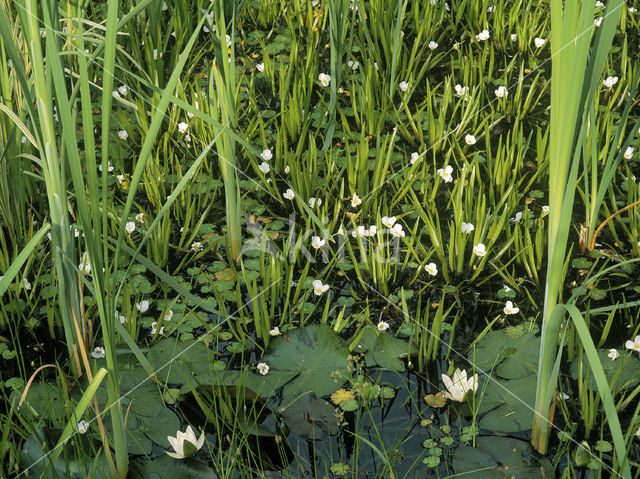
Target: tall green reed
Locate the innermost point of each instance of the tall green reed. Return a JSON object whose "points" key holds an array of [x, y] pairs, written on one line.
{"points": [[571, 27]]}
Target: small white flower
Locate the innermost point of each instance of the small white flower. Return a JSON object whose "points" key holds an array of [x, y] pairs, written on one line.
{"points": [[185, 444], [324, 79], [263, 368], [383, 326], [264, 167], [479, 250], [613, 354], [431, 268], [287, 169], [445, 173], [260, 67], [467, 227], [318, 287], [155, 54], [632, 10], [598, 21], [414, 157], [196, 246], [275, 331], [353, 65], [404, 86], [289, 194], [266, 154], [123, 90], [355, 200], [315, 201], [635, 344], [183, 127], [599, 4], [82, 427], [564, 395], [154, 328], [164, 7], [491, 8], [628, 153], [470, 140], [142, 306], [514, 37], [461, 90], [539, 42], [506, 288], [501, 92], [140, 217], [373, 230], [130, 227], [123, 134], [459, 386], [396, 231], [610, 81], [26, 284], [317, 242], [432, 45], [545, 210], [510, 308], [388, 221], [483, 35], [168, 315], [98, 352], [85, 264], [517, 218]]}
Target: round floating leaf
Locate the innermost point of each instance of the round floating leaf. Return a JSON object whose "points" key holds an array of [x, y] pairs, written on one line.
{"points": [[310, 417], [315, 354], [513, 355], [500, 458], [626, 367], [387, 352], [509, 404], [189, 358], [165, 467]]}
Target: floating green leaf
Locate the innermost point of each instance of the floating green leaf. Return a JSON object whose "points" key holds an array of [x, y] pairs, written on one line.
{"points": [[513, 355]]}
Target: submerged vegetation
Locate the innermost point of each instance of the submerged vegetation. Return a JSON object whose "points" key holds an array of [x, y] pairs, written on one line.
{"points": [[332, 238]]}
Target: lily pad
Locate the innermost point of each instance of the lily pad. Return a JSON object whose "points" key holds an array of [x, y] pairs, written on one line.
{"points": [[513, 356], [315, 355], [388, 352], [507, 405], [255, 386], [165, 467], [626, 366], [311, 417], [189, 359], [500, 458]]}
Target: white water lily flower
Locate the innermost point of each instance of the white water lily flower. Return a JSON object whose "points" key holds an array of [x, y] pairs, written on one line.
{"points": [[383, 326], [123, 134], [613, 354], [461, 90], [501, 92], [85, 264], [266, 154], [467, 227], [196, 246], [263, 368], [324, 79], [82, 427], [289, 194], [483, 35], [396, 231], [143, 305], [183, 127], [459, 386], [317, 242], [414, 157], [431, 268], [610, 81], [404, 86], [318, 287], [628, 153], [140, 217], [275, 331], [355, 201], [479, 250], [168, 315], [445, 174], [509, 308], [185, 444], [539, 42], [432, 45], [388, 221], [98, 352], [260, 67], [314, 201], [264, 167], [130, 227], [470, 140], [635, 344]]}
